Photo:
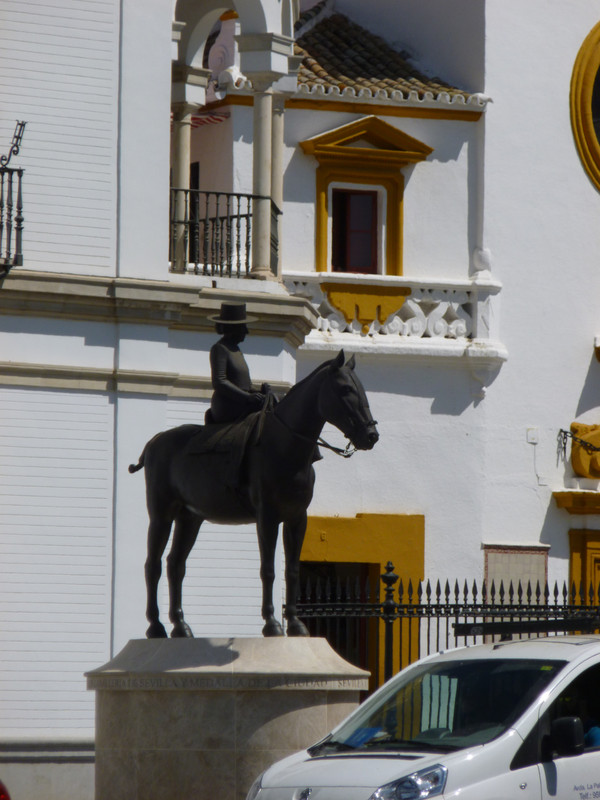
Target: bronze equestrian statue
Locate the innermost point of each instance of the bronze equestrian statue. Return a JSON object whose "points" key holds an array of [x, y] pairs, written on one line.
{"points": [[189, 479]]}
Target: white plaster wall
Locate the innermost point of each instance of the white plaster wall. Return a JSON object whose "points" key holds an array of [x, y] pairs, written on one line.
{"points": [[57, 342], [55, 558], [212, 147], [59, 67], [243, 136], [469, 466], [93, 85], [541, 214], [441, 195], [430, 459], [143, 160]]}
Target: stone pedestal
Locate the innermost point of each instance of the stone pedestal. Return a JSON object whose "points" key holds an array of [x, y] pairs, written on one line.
{"points": [[201, 718]]}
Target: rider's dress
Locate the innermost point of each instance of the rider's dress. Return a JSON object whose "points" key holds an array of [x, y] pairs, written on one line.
{"points": [[233, 397]]}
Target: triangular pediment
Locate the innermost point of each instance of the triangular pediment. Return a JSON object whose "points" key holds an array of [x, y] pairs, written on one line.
{"points": [[369, 134]]}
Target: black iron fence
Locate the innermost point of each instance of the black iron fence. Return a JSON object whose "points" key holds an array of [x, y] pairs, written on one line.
{"points": [[11, 219], [385, 631], [211, 232]]}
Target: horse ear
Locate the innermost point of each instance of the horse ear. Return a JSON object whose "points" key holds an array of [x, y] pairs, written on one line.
{"points": [[351, 361], [338, 361]]}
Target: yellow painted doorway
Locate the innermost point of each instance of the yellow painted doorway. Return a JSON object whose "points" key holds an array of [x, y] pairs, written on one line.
{"points": [[372, 540]]}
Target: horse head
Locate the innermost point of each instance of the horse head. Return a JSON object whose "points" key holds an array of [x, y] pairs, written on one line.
{"points": [[343, 402]]}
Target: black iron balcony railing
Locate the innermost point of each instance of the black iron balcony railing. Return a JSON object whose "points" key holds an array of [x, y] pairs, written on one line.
{"points": [[211, 232], [11, 219]]}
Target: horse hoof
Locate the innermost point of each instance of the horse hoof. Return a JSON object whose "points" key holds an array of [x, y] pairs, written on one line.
{"points": [[156, 631], [297, 628], [272, 628], [182, 631]]}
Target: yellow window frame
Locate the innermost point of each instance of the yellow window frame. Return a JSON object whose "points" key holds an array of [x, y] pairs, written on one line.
{"points": [[371, 153]]}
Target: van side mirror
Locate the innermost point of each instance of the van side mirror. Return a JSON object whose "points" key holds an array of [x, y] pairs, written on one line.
{"points": [[566, 736]]}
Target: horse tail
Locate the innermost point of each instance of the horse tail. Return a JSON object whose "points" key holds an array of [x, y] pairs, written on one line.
{"points": [[138, 466], [142, 459]]}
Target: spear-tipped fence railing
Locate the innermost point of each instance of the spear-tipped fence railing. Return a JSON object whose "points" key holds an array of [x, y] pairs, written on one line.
{"points": [[385, 631]]}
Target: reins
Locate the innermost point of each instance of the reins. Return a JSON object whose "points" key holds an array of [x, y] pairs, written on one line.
{"points": [[346, 452]]}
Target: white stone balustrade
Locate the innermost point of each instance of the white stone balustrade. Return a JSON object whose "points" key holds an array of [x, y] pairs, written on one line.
{"points": [[452, 321], [425, 309]]}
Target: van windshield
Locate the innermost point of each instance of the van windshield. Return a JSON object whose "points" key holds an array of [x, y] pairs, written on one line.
{"points": [[444, 706]]}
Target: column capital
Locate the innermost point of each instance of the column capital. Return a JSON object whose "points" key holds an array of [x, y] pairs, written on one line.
{"points": [[181, 110], [189, 85], [265, 53]]}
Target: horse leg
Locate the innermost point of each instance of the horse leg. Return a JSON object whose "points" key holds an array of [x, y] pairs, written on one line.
{"points": [[293, 537], [158, 536], [187, 525], [267, 530]]}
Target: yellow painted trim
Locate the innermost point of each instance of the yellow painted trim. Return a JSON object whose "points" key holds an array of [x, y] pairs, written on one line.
{"points": [[585, 461], [373, 539], [578, 502], [584, 559], [365, 302], [585, 69], [378, 165], [389, 141], [392, 182]]}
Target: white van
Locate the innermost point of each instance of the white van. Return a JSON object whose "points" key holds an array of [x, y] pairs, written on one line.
{"points": [[514, 720]]}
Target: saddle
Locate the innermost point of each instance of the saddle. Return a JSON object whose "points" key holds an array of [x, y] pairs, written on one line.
{"points": [[231, 441], [224, 437]]}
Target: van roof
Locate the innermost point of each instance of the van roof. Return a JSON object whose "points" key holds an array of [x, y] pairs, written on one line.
{"points": [[564, 648]]}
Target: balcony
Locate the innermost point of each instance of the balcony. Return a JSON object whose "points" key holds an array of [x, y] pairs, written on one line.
{"points": [[11, 219], [449, 320], [211, 232]]}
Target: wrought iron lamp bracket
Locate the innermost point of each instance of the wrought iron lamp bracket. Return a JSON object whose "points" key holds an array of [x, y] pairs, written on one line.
{"points": [[15, 144]]}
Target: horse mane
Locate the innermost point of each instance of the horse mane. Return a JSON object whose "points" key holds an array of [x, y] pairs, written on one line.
{"points": [[325, 365]]}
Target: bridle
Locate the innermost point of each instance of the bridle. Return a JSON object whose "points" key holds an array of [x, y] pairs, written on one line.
{"points": [[346, 452]]}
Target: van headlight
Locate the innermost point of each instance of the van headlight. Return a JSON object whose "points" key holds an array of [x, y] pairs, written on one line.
{"points": [[420, 785], [255, 788]]}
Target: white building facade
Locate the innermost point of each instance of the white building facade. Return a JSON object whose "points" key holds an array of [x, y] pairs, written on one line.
{"points": [[469, 299]]}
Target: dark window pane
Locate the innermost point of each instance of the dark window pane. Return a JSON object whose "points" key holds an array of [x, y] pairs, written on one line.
{"points": [[354, 231]]}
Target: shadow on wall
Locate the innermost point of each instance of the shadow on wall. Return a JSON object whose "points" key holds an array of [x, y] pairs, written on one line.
{"points": [[452, 390], [555, 531], [590, 394]]}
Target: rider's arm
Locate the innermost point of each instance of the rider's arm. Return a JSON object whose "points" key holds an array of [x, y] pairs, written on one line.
{"points": [[219, 359]]}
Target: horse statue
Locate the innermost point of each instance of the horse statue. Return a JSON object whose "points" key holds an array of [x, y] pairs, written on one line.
{"points": [[190, 477]]}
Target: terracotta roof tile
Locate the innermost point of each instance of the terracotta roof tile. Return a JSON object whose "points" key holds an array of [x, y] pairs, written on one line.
{"points": [[339, 54]]}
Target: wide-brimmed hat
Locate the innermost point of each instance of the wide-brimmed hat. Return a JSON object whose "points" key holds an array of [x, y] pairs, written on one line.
{"points": [[232, 314]]}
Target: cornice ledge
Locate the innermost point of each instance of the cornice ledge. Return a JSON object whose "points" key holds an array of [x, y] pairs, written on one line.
{"points": [[578, 502], [476, 101], [477, 352], [94, 379], [130, 300]]}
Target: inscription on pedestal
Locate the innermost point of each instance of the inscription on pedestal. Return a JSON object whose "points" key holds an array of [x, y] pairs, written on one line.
{"points": [[227, 683]]}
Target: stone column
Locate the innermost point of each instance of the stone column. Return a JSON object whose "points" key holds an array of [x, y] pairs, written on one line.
{"points": [[182, 137], [201, 718], [265, 58], [188, 93], [277, 145], [261, 181]]}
